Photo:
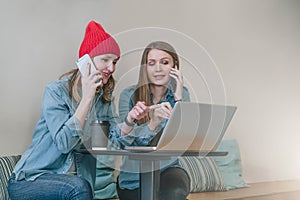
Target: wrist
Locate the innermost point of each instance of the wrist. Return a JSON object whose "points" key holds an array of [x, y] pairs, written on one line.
{"points": [[86, 100], [152, 125], [129, 121], [178, 100], [177, 97]]}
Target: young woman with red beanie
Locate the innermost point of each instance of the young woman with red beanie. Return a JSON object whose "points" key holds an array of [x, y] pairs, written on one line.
{"points": [[49, 168]]}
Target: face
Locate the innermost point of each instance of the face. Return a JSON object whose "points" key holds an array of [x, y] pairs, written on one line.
{"points": [[106, 64], [159, 64]]}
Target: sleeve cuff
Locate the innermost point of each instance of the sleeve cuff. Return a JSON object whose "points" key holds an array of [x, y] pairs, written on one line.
{"points": [[74, 126]]}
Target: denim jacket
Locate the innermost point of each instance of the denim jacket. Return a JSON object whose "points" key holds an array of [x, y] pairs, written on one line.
{"points": [[139, 136], [58, 133]]}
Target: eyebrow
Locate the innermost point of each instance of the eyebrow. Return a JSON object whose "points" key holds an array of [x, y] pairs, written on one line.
{"points": [[107, 56], [160, 58], [110, 57]]}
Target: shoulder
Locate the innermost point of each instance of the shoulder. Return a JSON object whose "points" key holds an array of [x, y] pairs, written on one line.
{"points": [[185, 89], [58, 86], [129, 91], [186, 94]]}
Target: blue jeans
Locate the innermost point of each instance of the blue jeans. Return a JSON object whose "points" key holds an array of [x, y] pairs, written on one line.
{"points": [[50, 187]]}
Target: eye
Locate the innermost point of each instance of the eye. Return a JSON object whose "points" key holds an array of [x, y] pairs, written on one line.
{"points": [[165, 62], [115, 62], [105, 60], [151, 63]]}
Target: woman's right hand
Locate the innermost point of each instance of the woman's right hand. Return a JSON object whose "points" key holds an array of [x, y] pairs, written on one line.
{"points": [[158, 114], [90, 82], [139, 111]]}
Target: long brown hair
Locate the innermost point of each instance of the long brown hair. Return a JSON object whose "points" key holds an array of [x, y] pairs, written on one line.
{"points": [[142, 92], [74, 83]]}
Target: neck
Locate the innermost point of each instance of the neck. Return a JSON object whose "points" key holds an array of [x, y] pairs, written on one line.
{"points": [[158, 92]]}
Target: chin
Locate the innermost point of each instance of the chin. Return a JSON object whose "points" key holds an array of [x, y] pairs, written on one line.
{"points": [[160, 83], [104, 81]]}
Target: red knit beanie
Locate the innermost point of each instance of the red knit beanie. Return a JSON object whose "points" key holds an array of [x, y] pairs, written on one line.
{"points": [[97, 42]]}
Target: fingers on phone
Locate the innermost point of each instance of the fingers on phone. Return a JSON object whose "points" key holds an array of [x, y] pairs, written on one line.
{"points": [[96, 78], [88, 69], [175, 72], [176, 75], [99, 83]]}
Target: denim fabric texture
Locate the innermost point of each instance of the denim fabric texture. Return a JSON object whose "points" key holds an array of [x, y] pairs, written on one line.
{"points": [[58, 133], [139, 136], [50, 187]]}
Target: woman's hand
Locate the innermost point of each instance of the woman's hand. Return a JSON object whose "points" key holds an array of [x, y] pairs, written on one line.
{"points": [[90, 82], [139, 111], [159, 113], [177, 76]]}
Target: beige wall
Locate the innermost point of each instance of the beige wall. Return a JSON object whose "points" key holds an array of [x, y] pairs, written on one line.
{"points": [[254, 44]]}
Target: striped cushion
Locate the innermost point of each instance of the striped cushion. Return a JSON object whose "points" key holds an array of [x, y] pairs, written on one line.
{"points": [[204, 174], [7, 164]]}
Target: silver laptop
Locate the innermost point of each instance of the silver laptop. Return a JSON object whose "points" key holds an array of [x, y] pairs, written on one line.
{"points": [[193, 127]]}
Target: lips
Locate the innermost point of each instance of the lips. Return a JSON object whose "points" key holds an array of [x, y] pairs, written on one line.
{"points": [[106, 75], [159, 76]]}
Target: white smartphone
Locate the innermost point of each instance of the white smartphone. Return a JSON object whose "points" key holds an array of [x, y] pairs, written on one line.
{"points": [[83, 62]]}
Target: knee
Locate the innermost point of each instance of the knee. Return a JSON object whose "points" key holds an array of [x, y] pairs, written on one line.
{"points": [[82, 189], [175, 184], [178, 193], [82, 185]]}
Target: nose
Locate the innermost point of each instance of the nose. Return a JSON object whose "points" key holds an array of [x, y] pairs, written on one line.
{"points": [[157, 67], [111, 67]]}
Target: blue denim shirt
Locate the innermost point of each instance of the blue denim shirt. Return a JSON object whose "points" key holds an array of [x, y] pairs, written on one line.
{"points": [[58, 133], [139, 136]]}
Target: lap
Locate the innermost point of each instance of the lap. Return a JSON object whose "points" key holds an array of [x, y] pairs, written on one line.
{"points": [[174, 174], [174, 184], [48, 186]]}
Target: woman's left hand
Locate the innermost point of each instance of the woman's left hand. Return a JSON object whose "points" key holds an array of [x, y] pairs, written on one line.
{"points": [[158, 114], [139, 111], [177, 76]]}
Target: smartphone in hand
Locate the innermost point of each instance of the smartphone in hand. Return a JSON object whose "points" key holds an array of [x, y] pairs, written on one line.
{"points": [[83, 62], [173, 82]]}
